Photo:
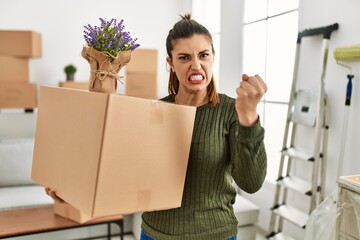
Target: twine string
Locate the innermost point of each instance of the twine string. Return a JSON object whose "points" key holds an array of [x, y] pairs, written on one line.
{"points": [[102, 74]]}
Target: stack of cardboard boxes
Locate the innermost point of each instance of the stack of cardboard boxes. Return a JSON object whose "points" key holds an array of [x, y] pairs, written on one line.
{"points": [[16, 49]]}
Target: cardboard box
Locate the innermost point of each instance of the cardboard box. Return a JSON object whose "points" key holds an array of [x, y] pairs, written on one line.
{"points": [[348, 206], [141, 74], [14, 69], [17, 95], [67, 211], [109, 154], [75, 85], [141, 84], [20, 43], [143, 60]]}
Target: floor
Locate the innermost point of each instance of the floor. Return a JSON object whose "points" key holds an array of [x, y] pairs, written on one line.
{"points": [[260, 237]]}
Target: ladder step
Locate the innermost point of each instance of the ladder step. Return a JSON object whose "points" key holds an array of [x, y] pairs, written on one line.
{"points": [[292, 215], [297, 153], [281, 236], [296, 184]]}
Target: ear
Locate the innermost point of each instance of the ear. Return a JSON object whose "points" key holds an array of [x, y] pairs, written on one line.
{"points": [[169, 61]]}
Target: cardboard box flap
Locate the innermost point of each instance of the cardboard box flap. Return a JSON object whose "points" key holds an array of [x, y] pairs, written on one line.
{"points": [[68, 141], [154, 138]]}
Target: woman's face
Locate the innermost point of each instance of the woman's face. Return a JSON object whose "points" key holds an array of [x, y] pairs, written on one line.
{"points": [[192, 60]]}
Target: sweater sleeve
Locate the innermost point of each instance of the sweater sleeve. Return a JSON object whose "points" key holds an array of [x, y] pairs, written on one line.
{"points": [[248, 155]]}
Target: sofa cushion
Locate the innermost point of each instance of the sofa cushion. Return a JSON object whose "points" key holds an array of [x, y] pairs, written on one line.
{"points": [[15, 161], [246, 212], [14, 123], [23, 197]]}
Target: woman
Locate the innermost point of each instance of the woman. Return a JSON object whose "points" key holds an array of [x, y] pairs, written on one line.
{"points": [[227, 142]]}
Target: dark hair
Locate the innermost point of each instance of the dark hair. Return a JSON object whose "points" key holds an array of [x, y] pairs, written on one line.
{"points": [[186, 28]]}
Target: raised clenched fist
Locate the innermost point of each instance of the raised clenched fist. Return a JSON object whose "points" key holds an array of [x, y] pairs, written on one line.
{"points": [[249, 94]]}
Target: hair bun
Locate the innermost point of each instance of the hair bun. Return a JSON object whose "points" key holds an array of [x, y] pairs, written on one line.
{"points": [[186, 16]]}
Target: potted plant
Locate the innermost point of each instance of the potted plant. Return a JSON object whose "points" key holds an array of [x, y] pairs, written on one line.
{"points": [[70, 72], [108, 48]]}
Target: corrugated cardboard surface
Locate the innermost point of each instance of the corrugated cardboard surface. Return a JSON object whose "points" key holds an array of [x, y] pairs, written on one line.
{"points": [[68, 140], [67, 211], [141, 74], [109, 154], [141, 84], [75, 85], [20, 43], [17, 95], [349, 203], [143, 60], [14, 69]]}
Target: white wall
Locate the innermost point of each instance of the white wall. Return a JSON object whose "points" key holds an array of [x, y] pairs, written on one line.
{"points": [[312, 14], [61, 26]]}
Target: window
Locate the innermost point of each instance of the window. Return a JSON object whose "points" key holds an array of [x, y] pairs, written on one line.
{"points": [[270, 31]]}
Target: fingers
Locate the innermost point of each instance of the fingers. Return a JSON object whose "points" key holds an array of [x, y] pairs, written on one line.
{"points": [[245, 77], [249, 94], [47, 190], [252, 86], [253, 81], [53, 195]]}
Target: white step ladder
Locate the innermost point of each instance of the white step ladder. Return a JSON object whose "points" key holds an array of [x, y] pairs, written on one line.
{"points": [[306, 109]]}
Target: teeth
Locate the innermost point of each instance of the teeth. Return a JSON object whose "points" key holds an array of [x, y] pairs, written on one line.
{"points": [[196, 77]]}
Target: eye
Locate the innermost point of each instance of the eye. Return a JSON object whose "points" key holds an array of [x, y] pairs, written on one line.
{"points": [[183, 57], [204, 55]]}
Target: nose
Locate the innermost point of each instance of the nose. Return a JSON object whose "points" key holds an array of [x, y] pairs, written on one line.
{"points": [[195, 64]]}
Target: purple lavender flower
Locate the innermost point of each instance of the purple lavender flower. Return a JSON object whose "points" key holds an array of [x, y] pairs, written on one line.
{"points": [[103, 22], [109, 37]]}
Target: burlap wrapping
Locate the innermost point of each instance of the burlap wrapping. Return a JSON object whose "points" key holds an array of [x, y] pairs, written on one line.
{"points": [[104, 69]]}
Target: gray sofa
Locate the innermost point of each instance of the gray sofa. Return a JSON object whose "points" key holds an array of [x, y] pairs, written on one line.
{"points": [[17, 189]]}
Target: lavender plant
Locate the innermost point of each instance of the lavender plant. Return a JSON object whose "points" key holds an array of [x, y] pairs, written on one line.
{"points": [[109, 37]]}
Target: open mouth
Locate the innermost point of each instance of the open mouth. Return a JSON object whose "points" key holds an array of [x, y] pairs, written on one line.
{"points": [[196, 78]]}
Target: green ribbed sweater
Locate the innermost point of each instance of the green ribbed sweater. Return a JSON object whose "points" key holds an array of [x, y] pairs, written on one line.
{"points": [[221, 150]]}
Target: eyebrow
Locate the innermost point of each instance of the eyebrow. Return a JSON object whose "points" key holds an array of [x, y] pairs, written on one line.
{"points": [[186, 54]]}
